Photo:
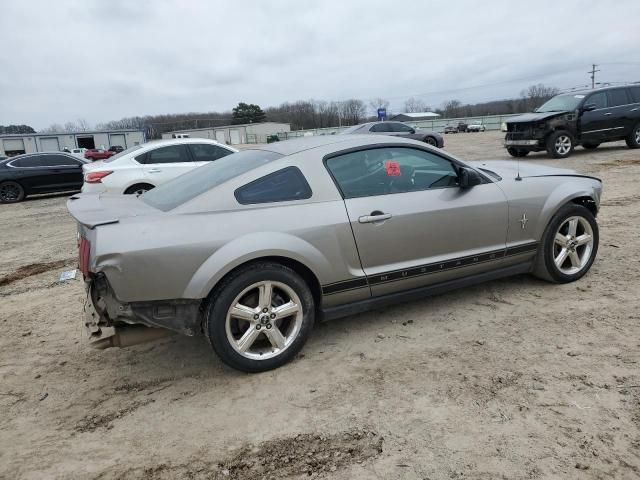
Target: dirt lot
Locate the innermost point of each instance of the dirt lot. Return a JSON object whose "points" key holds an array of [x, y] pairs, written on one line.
{"points": [[511, 379]]}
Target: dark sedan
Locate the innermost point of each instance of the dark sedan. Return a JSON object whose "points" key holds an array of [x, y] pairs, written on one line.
{"points": [[398, 129], [35, 173]]}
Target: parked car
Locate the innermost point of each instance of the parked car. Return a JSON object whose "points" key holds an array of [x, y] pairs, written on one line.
{"points": [[143, 167], [398, 129], [476, 127], [451, 129], [462, 127], [251, 249], [77, 152], [44, 172], [586, 118], [116, 148], [98, 154]]}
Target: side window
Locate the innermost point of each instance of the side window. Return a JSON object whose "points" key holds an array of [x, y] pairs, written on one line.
{"points": [[401, 128], [380, 127], [281, 186], [32, 161], [635, 94], [171, 154], [618, 97], [203, 152], [59, 161], [598, 99], [382, 171]]}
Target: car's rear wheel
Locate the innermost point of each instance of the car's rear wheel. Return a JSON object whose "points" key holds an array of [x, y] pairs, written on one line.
{"points": [[517, 152], [138, 189], [569, 245], [259, 317], [560, 144], [633, 139], [590, 146], [11, 192], [431, 141]]}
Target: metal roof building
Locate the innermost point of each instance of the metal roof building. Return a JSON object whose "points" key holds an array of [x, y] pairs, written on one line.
{"points": [[16, 144], [408, 117], [235, 134]]}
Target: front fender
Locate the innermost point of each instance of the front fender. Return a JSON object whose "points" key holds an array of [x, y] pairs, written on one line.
{"points": [[242, 250], [563, 194]]}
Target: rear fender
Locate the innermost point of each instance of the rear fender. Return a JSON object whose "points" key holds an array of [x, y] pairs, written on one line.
{"points": [[243, 250]]}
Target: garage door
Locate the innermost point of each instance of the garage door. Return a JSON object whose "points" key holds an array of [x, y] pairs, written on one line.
{"points": [[117, 139], [220, 136], [49, 144], [235, 136], [13, 147]]}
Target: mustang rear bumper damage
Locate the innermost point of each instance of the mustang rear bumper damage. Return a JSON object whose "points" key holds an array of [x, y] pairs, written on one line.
{"points": [[112, 323]]}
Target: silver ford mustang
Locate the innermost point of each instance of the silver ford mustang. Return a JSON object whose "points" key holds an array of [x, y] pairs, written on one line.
{"points": [[251, 249]]}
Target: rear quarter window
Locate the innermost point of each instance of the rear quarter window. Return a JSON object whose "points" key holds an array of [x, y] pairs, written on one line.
{"points": [[284, 185], [635, 94]]}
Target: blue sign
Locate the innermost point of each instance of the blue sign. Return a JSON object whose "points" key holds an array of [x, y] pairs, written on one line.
{"points": [[382, 114]]}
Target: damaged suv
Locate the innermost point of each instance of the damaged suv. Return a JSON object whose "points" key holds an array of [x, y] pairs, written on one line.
{"points": [[586, 118]]}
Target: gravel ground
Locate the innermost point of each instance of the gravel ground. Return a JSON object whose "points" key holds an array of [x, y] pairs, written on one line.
{"points": [[511, 379]]}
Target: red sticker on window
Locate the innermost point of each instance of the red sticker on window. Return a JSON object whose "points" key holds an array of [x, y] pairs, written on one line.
{"points": [[393, 169]]}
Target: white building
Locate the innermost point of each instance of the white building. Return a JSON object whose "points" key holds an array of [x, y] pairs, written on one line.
{"points": [[235, 134], [16, 144], [414, 116]]}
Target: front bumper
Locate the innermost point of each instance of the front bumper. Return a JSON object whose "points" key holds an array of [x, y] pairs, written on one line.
{"points": [[521, 143]]}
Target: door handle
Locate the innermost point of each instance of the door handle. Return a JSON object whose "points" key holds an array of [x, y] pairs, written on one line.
{"points": [[155, 170], [608, 113], [374, 217]]}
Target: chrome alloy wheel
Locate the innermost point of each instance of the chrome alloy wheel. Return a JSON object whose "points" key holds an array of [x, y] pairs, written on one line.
{"points": [[563, 145], [573, 245], [638, 135], [264, 320]]}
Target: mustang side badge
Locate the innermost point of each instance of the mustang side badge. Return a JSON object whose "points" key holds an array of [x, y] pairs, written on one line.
{"points": [[393, 169], [524, 220]]}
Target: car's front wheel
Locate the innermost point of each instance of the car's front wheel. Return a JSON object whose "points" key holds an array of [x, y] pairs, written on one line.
{"points": [[431, 141], [259, 317], [569, 245], [11, 192], [633, 139], [560, 144]]}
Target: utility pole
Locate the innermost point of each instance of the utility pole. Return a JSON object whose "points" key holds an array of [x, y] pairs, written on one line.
{"points": [[593, 75]]}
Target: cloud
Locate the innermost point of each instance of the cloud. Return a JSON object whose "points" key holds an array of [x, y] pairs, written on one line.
{"points": [[105, 59]]}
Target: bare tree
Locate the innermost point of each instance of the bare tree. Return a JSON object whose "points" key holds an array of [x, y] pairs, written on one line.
{"points": [[53, 128], [83, 125], [414, 105], [352, 111], [377, 103], [536, 95], [452, 108]]}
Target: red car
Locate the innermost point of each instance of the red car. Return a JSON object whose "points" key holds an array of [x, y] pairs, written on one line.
{"points": [[98, 154]]}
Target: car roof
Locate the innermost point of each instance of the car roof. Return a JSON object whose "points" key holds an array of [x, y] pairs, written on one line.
{"points": [[290, 147], [591, 90]]}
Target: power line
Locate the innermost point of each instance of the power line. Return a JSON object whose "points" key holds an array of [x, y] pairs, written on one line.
{"points": [[593, 74]]}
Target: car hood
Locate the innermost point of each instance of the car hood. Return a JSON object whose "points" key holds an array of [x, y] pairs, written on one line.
{"points": [[510, 169], [92, 210], [534, 117]]}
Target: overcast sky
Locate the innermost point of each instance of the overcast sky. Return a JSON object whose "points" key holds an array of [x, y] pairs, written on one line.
{"points": [[103, 60]]}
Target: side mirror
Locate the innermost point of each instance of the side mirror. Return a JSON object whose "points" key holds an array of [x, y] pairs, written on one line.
{"points": [[468, 178], [589, 107], [413, 130]]}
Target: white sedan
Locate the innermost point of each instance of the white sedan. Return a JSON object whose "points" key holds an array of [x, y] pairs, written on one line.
{"points": [[143, 167]]}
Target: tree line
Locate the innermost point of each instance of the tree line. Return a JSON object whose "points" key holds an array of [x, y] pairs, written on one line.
{"points": [[310, 114]]}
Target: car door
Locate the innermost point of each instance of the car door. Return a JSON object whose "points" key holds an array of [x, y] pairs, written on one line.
{"points": [[593, 124], [204, 153], [66, 170], [33, 174], [166, 163], [402, 130], [620, 119], [412, 223], [381, 128]]}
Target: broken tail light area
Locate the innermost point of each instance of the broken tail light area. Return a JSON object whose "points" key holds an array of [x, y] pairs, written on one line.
{"points": [[96, 177], [84, 251]]}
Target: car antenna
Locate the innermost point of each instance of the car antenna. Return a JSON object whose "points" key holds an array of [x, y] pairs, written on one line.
{"points": [[518, 177]]}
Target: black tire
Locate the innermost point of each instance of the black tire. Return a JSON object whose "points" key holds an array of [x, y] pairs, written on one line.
{"points": [[517, 152], [431, 141], [11, 192], [633, 139], [138, 189], [219, 304], [545, 266], [560, 144], [590, 146]]}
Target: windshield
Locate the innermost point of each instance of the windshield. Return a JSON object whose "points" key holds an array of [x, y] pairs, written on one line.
{"points": [[199, 180], [123, 153], [562, 103]]}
